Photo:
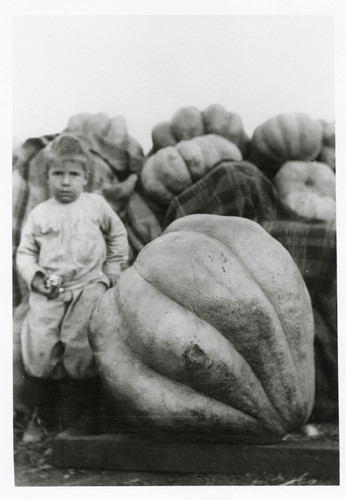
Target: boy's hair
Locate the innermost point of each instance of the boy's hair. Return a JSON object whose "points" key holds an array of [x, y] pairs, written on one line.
{"points": [[67, 148]]}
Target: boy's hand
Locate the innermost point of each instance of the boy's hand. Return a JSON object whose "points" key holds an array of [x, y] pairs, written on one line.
{"points": [[39, 285]]}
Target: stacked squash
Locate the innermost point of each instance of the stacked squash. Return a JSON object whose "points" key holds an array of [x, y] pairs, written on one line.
{"points": [[285, 137], [188, 122], [173, 169], [298, 154], [187, 146]]}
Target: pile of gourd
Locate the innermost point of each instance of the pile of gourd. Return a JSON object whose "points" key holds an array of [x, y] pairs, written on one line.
{"points": [[295, 151], [210, 334]]}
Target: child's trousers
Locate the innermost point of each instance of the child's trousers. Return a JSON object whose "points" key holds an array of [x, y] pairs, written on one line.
{"points": [[54, 335]]}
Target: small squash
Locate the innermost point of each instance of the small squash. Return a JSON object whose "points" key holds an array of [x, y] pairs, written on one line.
{"points": [[161, 135], [327, 153], [219, 121], [285, 137], [307, 188], [187, 123], [327, 156], [328, 138]]}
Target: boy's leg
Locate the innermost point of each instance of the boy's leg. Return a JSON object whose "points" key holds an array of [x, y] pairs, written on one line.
{"points": [[42, 399], [80, 396], [20, 406], [78, 357], [42, 358], [79, 406], [42, 350]]}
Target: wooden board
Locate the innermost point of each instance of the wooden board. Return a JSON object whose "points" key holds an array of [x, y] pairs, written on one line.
{"points": [[319, 459]]}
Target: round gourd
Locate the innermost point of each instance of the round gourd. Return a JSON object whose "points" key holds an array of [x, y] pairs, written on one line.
{"points": [[164, 175], [308, 188], [285, 137], [161, 135], [327, 155], [328, 129], [171, 170], [193, 157], [217, 120], [209, 334], [187, 123], [210, 152], [225, 148]]}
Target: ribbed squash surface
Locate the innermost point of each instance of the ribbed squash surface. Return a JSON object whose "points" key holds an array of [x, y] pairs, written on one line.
{"points": [[209, 334]]}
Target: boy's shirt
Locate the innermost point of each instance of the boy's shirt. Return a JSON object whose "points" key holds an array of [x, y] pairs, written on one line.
{"points": [[81, 241]]}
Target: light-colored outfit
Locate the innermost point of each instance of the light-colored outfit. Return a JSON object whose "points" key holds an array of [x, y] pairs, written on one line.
{"points": [[85, 242]]}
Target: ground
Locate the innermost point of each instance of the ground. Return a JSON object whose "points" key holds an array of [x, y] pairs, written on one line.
{"points": [[33, 467]]}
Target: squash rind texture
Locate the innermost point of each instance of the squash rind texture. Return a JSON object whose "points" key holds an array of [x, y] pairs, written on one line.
{"points": [[209, 333], [186, 123], [286, 137], [189, 122], [172, 169], [307, 188], [218, 121]]}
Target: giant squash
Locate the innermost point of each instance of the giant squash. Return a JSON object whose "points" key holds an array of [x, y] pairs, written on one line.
{"points": [[209, 335]]}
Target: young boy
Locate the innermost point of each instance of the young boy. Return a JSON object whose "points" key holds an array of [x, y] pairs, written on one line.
{"points": [[72, 249]]}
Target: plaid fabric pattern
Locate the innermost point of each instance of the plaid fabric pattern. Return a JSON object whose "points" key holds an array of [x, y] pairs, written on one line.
{"points": [[231, 188]]}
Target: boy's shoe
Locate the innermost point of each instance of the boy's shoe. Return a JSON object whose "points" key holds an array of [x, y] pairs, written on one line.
{"points": [[35, 432], [84, 426]]}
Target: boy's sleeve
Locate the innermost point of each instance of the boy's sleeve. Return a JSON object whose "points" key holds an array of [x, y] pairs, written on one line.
{"points": [[28, 253], [115, 236]]}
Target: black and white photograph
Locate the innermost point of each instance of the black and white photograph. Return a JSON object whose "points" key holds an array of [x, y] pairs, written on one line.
{"points": [[175, 268]]}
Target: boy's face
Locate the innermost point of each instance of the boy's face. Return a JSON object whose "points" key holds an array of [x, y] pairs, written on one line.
{"points": [[66, 181]]}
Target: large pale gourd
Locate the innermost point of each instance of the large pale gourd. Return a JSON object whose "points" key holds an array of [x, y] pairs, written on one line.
{"points": [[219, 121], [108, 138], [189, 122], [285, 137], [164, 175], [162, 135], [209, 334], [307, 188], [171, 170], [327, 153]]}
